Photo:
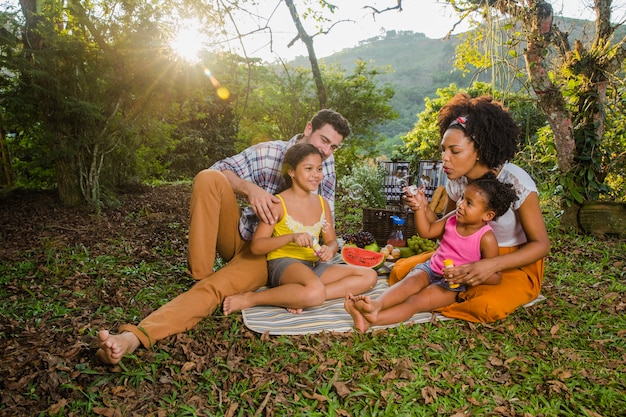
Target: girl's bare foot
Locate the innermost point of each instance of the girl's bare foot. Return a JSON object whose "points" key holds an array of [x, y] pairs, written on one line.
{"points": [[236, 302], [113, 347], [360, 322]]}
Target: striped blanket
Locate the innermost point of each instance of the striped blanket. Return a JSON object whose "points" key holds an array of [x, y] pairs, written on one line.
{"points": [[328, 317]]}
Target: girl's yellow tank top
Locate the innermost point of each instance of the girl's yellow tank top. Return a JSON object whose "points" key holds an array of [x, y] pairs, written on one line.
{"points": [[288, 225]]}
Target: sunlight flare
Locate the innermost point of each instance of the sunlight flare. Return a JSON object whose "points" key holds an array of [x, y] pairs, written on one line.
{"points": [[189, 41]]}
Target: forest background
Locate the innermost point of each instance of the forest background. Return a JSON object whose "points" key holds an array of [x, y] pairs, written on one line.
{"points": [[95, 97]]}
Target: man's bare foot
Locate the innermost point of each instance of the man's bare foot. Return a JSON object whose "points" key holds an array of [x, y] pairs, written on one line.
{"points": [[360, 322], [113, 347], [236, 302]]}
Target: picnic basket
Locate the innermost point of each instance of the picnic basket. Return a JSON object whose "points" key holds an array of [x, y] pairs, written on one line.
{"points": [[399, 174], [378, 222]]}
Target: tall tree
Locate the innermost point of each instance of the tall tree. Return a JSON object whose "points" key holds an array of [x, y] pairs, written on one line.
{"points": [[570, 80]]}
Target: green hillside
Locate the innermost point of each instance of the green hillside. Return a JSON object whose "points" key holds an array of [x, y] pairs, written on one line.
{"points": [[421, 65]]}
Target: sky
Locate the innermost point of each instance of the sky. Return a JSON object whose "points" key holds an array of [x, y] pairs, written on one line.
{"points": [[432, 17]]}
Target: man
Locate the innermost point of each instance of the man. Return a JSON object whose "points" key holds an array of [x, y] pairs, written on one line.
{"points": [[217, 225]]}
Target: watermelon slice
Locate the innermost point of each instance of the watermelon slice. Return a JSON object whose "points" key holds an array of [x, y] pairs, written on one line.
{"points": [[362, 257]]}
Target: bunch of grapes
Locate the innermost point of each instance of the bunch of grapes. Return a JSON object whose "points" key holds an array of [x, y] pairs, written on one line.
{"points": [[420, 244], [361, 238]]}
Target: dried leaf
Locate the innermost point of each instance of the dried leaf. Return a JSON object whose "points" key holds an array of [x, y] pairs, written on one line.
{"points": [[56, 408], [495, 361], [187, 366], [315, 396], [107, 412], [341, 388], [555, 329], [429, 394], [231, 410]]}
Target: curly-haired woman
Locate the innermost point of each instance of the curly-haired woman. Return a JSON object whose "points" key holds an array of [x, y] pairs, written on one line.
{"points": [[479, 135]]}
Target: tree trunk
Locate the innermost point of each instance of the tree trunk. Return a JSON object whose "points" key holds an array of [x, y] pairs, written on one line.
{"points": [[7, 178], [308, 42], [549, 96], [68, 181]]}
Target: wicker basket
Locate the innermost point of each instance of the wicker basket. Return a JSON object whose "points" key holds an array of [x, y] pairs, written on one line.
{"points": [[378, 222]]}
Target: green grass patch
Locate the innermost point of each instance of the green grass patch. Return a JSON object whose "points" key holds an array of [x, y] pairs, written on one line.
{"points": [[564, 356]]}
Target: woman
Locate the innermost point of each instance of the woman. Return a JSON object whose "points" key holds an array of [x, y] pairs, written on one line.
{"points": [[478, 136]]}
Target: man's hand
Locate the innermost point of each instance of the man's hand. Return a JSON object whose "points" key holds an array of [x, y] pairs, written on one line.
{"points": [[263, 204]]}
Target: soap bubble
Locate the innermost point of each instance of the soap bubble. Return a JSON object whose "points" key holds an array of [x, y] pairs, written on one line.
{"points": [[355, 192]]}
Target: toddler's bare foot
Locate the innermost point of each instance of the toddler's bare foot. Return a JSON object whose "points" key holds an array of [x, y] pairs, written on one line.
{"points": [[367, 307], [360, 322], [113, 347], [294, 310], [236, 302]]}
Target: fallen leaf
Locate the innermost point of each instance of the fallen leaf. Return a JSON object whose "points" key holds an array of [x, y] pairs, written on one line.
{"points": [[341, 388], [555, 329], [315, 396], [187, 366]]}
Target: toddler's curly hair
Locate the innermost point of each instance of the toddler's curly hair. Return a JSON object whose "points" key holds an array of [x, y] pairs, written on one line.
{"points": [[487, 123], [499, 195]]}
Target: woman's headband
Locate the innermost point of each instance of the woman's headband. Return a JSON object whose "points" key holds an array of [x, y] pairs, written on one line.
{"points": [[459, 121]]}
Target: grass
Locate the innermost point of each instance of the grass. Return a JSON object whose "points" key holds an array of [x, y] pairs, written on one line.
{"points": [[565, 356]]}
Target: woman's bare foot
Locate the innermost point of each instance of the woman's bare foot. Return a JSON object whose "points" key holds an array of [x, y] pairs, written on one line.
{"points": [[360, 322], [113, 347], [236, 302]]}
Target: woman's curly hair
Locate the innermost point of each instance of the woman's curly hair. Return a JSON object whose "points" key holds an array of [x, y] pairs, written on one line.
{"points": [[499, 195], [485, 122]]}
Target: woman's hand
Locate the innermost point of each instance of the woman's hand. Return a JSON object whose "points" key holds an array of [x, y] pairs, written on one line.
{"points": [[471, 274], [416, 201]]}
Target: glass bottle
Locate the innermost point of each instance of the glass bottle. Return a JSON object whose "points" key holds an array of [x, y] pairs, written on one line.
{"points": [[396, 237]]}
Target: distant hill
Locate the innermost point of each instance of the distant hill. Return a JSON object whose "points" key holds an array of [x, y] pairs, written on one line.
{"points": [[419, 66], [422, 65]]}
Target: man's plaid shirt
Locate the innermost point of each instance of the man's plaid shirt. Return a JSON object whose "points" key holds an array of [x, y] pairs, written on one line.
{"points": [[261, 164]]}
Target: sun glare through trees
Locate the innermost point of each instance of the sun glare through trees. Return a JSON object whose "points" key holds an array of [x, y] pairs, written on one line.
{"points": [[188, 41]]}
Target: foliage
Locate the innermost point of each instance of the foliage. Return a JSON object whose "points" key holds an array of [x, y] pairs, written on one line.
{"points": [[102, 101], [279, 101], [423, 141], [361, 187], [571, 80], [412, 79]]}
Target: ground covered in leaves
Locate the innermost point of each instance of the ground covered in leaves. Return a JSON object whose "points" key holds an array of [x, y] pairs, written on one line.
{"points": [[67, 272]]}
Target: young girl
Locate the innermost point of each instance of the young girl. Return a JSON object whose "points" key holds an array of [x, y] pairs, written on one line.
{"points": [[465, 237], [297, 268]]}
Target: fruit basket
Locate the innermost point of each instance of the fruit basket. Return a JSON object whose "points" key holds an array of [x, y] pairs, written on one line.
{"points": [[378, 222]]}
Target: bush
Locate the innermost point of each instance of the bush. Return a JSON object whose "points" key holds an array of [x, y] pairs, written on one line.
{"points": [[362, 187]]}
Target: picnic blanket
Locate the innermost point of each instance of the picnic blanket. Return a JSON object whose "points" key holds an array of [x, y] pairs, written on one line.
{"points": [[331, 316], [328, 317]]}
